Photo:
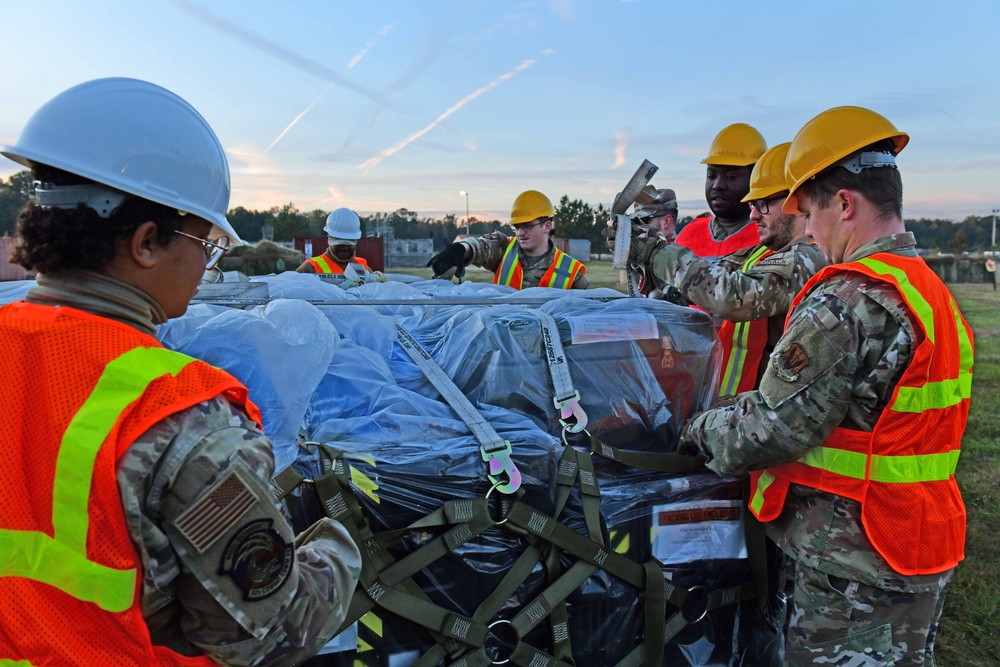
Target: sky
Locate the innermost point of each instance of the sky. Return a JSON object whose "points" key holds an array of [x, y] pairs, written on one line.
{"points": [[407, 103]]}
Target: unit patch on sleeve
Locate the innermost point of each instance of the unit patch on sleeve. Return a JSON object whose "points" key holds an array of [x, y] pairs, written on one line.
{"points": [[258, 559], [789, 364]]}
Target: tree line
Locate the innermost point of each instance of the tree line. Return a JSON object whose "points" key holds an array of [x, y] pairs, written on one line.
{"points": [[574, 218]]}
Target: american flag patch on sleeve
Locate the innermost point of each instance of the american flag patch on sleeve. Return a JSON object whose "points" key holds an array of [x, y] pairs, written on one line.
{"points": [[209, 518]]}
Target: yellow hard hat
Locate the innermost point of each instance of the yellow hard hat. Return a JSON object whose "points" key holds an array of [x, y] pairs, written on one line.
{"points": [[830, 137], [738, 145], [768, 176], [530, 205]]}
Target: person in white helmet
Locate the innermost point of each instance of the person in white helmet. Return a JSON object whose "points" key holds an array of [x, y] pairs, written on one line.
{"points": [[343, 228], [139, 526]]}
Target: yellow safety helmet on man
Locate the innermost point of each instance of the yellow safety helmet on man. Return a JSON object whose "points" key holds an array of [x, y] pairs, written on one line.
{"points": [[530, 205], [737, 145], [830, 137], [768, 176]]}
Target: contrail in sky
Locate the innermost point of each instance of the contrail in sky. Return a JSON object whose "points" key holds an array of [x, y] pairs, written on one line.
{"points": [[293, 123], [621, 143], [370, 163], [367, 47], [276, 50]]}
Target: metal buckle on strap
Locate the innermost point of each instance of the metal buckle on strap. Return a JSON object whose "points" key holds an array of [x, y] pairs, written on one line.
{"points": [[570, 407], [500, 462]]}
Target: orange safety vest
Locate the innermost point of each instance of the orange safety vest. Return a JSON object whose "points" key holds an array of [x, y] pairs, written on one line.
{"points": [[743, 344], [561, 273], [697, 237], [903, 472], [78, 392], [322, 264]]}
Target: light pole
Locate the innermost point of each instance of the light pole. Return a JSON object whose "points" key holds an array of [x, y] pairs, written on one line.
{"points": [[463, 192], [993, 239]]}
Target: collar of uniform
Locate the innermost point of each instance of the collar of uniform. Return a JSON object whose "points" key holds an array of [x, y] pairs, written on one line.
{"points": [[531, 262], [898, 244], [99, 294]]}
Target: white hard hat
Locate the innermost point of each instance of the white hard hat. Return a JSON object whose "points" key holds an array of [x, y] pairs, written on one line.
{"points": [[343, 224], [136, 137]]}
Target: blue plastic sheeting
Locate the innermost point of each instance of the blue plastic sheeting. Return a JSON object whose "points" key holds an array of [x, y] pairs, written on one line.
{"points": [[280, 352]]}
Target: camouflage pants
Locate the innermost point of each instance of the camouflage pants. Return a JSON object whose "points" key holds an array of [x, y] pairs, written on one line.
{"points": [[836, 622]]}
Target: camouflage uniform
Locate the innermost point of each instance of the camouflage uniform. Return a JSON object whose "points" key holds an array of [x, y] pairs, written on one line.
{"points": [[722, 288], [200, 596], [854, 339], [488, 250]]}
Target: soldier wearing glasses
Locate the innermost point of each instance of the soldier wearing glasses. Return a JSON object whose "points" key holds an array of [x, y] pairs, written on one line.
{"points": [[751, 289], [139, 526], [527, 258]]}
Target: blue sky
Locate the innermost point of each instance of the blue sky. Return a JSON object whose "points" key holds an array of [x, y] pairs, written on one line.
{"points": [[382, 105]]}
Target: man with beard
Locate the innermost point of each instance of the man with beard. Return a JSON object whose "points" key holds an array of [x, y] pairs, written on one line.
{"points": [[733, 153], [751, 289], [853, 438], [343, 228]]}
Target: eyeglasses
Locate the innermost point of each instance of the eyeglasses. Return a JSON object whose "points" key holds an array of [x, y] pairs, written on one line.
{"points": [[529, 225], [214, 250], [761, 204]]}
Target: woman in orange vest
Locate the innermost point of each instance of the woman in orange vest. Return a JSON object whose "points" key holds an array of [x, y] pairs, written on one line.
{"points": [[137, 524], [343, 228], [854, 434]]}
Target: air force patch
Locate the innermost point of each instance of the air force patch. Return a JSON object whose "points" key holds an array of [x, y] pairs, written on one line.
{"points": [[788, 365], [258, 559]]}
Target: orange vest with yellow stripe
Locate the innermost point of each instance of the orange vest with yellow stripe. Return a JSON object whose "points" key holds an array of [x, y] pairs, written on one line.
{"points": [[697, 237], [743, 344], [561, 273], [903, 472], [79, 391], [322, 264]]}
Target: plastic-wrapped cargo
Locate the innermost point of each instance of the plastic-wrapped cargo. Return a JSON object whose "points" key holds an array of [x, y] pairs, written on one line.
{"points": [[642, 368]]}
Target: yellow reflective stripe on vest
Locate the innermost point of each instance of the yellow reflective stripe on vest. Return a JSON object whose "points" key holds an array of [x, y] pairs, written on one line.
{"points": [[19, 663], [562, 274], [931, 395], [61, 561], [324, 263], [914, 299], [508, 264], [885, 469], [765, 480], [741, 335]]}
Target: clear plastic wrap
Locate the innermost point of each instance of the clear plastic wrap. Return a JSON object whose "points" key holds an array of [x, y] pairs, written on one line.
{"points": [[280, 352], [642, 368]]}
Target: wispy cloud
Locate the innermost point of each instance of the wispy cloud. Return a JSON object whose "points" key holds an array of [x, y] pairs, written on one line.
{"points": [[372, 162], [368, 47], [562, 8], [621, 143]]}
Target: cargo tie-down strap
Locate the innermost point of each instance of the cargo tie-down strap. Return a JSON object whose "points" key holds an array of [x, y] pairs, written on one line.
{"points": [[466, 640], [495, 450], [565, 397]]}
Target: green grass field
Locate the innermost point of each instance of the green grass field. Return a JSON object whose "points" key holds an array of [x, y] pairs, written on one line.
{"points": [[970, 632]]}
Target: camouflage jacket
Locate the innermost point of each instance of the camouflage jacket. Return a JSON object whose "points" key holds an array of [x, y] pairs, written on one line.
{"points": [[856, 338], [488, 250], [213, 594], [722, 288]]}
